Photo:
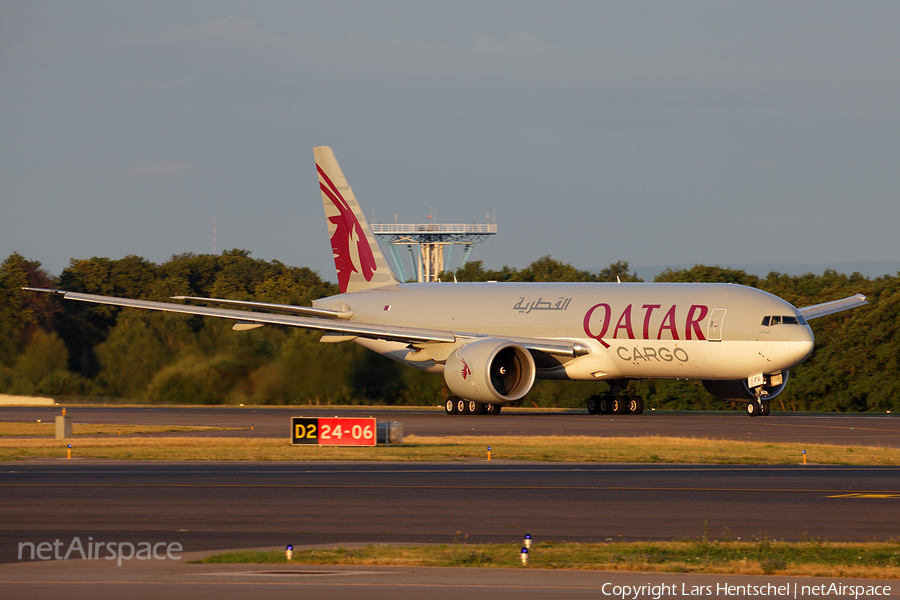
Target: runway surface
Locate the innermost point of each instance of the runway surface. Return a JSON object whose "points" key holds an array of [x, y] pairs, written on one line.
{"points": [[174, 580], [214, 506], [208, 506], [843, 429]]}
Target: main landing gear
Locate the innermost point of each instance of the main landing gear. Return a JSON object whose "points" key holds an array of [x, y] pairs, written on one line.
{"points": [[615, 403], [606, 404], [458, 406]]}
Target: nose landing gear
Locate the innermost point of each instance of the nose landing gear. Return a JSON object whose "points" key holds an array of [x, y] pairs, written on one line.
{"points": [[759, 406]]}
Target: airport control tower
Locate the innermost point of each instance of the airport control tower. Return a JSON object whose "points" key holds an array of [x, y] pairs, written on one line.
{"points": [[430, 239]]}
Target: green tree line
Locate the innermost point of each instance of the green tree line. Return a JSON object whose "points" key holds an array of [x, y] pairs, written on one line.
{"points": [[71, 349]]}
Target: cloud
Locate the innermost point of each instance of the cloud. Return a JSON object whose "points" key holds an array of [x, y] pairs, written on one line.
{"points": [[803, 65], [164, 169], [232, 49]]}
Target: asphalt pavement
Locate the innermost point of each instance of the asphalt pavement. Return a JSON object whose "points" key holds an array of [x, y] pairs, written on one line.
{"points": [[215, 505], [814, 428], [206, 507]]}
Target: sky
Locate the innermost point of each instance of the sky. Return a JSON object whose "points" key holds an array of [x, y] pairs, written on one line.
{"points": [[652, 132]]}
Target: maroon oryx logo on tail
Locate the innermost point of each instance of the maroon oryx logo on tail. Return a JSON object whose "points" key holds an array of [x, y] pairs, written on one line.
{"points": [[348, 231]]}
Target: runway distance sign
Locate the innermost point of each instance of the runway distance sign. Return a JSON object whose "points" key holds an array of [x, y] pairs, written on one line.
{"points": [[333, 431]]}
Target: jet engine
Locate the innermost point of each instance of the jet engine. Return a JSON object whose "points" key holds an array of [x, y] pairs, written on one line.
{"points": [[490, 370], [739, 390]]}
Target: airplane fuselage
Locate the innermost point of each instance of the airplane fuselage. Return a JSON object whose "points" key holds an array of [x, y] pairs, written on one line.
{"points": [[633, 330]]}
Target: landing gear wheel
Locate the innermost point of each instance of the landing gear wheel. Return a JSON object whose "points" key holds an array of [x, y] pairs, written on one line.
{"points": [[753, 409], [491, 409], [636, 406], [476, 408], [620, 405], [462, 406], [766, 407], [593, 405], [450, 405], [606, 405]]}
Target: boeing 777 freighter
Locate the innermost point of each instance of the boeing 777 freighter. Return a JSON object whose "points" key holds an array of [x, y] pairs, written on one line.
{"points": [[492, 340]]}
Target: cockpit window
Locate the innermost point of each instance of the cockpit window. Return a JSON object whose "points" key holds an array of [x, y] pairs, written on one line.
{"points": [[783, 320]]}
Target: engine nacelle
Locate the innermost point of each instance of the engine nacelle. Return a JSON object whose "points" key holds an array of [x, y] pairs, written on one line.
{"points": [[739, 390], [490, 370]]}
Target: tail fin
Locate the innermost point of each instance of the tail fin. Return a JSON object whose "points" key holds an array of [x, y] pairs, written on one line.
{"points": [[358, 259]]}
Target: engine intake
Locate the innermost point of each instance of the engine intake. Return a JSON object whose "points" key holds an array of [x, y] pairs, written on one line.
{"points": [[739, 390], [490, 370]]}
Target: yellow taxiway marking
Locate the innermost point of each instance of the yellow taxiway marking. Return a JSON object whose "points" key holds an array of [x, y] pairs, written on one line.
{"points": [[864, 495], [832, 427]]}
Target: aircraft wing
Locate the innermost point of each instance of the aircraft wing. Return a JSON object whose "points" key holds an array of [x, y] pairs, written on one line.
{"points": [[827, 308], [306, 311], [385, 332], [336, 322]]}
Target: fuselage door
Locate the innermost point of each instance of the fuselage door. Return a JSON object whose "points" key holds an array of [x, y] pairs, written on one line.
{"points": [[714, 329]]}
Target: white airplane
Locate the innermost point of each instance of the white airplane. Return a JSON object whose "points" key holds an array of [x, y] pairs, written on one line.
{"points": [[492, 340]]}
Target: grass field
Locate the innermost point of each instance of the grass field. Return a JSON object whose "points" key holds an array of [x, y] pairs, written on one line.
{"points": [[759, 557], [461, 448]]}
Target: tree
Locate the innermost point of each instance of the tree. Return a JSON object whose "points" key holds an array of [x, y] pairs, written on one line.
{"points": [[617, 271], [140, 345], [708, 274], [23, 312], [547, 268], [475, 271], [43, 355]]}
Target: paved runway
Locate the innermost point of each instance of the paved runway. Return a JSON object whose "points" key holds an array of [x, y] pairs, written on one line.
{"points": [[215, 506], [208, 506], [174, 580], [844, 429]]}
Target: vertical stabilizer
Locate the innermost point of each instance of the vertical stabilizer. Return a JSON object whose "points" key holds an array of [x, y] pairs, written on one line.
{"points": [[357, 257]]}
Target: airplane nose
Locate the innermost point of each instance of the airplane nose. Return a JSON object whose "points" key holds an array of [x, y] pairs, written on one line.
{"points": [[801, 343]]}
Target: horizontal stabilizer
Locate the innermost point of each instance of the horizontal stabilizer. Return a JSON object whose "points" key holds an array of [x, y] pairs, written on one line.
{"points": [[827, 308]]}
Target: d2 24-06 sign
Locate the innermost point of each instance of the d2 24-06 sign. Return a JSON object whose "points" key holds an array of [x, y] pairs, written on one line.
{"points": [[333, 431]]}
